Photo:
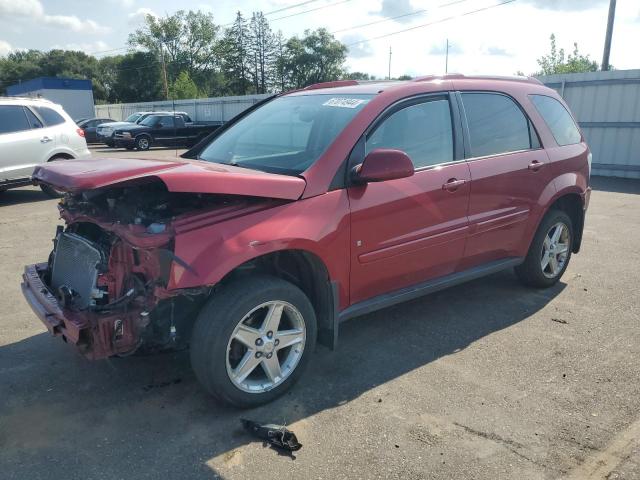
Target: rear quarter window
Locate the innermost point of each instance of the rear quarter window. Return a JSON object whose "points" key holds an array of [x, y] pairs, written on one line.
{"points": [[50, 116], [558, 119]]}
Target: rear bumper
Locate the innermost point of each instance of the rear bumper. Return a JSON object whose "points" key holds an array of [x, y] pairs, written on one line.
{"points": [[84, 153], [586, 197], [95, 335]]}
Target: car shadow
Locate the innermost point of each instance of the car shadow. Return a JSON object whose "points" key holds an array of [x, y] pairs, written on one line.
{"points": [[616, 185], [22, 195], [149, 417]]}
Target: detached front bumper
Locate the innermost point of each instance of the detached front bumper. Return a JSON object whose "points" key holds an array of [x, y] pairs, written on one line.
{"points": [[46, 306], [95, 335]]}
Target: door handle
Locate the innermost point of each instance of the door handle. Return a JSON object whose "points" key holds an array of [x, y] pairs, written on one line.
{"points": [[535, 165], [46, 140], [453, 184]]}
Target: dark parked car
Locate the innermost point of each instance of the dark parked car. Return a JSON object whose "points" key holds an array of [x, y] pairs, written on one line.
{"points": [[308, 209], [162, 129], [106, 131], [89, 127]]}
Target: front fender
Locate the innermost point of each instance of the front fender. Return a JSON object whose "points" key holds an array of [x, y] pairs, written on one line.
{"points": [[319, 225]]}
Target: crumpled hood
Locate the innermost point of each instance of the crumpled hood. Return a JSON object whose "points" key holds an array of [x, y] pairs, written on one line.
{"points": [[179, 175]]}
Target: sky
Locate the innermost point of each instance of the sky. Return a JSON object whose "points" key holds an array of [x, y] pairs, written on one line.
{"points": [[484, 37]]}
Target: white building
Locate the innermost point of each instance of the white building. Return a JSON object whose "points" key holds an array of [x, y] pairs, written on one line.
{"points": [[75, 95]]}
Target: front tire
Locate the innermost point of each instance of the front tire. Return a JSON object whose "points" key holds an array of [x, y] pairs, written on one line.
{"points": [[143, 142], [252, 340], [549, 253]]}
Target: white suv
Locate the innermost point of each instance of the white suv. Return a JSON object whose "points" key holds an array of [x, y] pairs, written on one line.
{"points": [[32, 132]]}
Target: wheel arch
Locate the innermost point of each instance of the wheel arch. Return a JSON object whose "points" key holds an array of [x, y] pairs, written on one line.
{"points": [[64, 155], [308, 272], [571, 203], [143, 134]]}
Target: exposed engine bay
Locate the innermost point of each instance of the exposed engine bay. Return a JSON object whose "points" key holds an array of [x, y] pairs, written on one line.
{"points": [[109, 268]]}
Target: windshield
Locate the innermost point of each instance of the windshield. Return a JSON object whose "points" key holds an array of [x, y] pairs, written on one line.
{"points": [[133, 118], [286, 135]]}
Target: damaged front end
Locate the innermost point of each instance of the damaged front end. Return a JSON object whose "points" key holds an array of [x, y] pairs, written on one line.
{"points": [[104, 286]]}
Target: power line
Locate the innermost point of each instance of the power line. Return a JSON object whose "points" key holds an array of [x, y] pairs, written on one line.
{"points": [[404, 15], [311, 10], [442, 20], [290, 7]]}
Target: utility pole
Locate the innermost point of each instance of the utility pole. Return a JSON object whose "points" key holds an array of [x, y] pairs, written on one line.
{"points": [[446, 58], [164, 73], [607, 40], [389, 63]]}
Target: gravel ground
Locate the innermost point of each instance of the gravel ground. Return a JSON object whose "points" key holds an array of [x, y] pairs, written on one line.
{"points": [[487, 380]]}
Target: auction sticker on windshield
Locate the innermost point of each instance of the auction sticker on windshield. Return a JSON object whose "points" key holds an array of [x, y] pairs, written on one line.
{"points": [[344, 102]]}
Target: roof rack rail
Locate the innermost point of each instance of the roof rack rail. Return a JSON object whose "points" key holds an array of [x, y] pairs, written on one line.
{"points": [[444, 76], [517, 78], [334, 84]]}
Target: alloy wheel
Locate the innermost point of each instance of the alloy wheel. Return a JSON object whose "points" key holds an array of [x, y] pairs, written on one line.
{"points": [[265, 347], [555, 250]]}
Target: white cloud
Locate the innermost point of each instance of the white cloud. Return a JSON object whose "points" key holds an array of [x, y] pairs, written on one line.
{"points": [[440, 48], [22, 8], [566, 5], [33, 10], [357, 48], [124, 3], [140, 14], [5, 48], [394, 8], [499, 51]]}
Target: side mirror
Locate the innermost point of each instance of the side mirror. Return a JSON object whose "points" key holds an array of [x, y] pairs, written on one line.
{"points": [[384, 164]]}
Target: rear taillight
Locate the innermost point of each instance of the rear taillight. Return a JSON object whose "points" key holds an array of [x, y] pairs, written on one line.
{"points": [[80, 132]]}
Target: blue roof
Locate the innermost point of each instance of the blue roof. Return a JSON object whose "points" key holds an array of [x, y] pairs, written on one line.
{"points": [[51, 83]]}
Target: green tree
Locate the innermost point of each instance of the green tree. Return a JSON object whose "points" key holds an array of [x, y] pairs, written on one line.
{"points": [[183, 88], [358, 76], [234, 56], [185, 41], [138, 78], [555, 61], [316, 57], [262, 52]]}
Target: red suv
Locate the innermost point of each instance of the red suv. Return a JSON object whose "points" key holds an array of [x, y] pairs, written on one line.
{"points": [[311, 208]]}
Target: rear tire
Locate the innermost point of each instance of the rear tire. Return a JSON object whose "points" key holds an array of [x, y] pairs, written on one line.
{"points": [[242, 310], [548, 256]]}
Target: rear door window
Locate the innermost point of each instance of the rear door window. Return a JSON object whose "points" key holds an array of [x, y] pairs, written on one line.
{"points": [[422, 131], [166, 121], [496, 124], [13, 119], [50, 116], [558, 119]]}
